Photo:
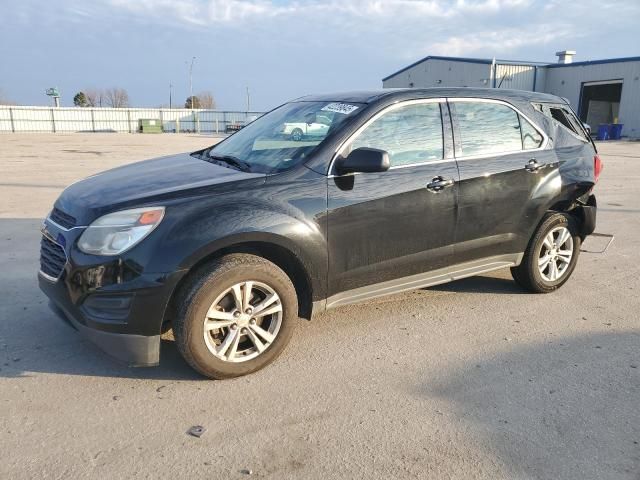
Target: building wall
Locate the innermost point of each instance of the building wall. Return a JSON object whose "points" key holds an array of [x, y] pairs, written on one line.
{"points": [[450, 74], [516, 77], [567, 82], [564, 81], [540, 79]]}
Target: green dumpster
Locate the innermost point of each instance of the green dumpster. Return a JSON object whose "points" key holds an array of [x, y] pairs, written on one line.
{"points": [[149, 125]]}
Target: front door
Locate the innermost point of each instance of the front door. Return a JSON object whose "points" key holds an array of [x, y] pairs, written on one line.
{"points": [[384, 226]]}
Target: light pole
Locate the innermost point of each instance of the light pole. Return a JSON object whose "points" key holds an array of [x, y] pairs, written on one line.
{"points": [[193, 59], [53, 92], [170, 99]]}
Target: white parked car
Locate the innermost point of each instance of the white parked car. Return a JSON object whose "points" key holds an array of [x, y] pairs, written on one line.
{"points": [[299, 130]]}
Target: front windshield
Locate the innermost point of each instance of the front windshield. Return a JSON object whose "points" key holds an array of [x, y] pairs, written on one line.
{"points": [[283, 137]]}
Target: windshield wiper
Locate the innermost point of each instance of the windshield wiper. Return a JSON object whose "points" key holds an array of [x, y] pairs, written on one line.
{"points": [[231, 160]]}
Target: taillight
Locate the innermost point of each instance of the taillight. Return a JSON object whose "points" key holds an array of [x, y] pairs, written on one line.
{"points": [[597, 167]]}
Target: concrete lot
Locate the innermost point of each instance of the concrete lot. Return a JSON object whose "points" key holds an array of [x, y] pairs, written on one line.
{"points": [[475, 379]]}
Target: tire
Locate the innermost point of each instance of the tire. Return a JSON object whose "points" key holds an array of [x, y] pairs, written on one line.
{"points": [[212, 298], [533, 274], [296, 135]]}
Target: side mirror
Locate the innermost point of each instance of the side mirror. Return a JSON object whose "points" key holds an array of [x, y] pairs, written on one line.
{"points": [[365, 160]]}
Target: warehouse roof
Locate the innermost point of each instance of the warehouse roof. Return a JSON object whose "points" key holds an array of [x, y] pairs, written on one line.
{"points": [[489, 61], [595, 62]]}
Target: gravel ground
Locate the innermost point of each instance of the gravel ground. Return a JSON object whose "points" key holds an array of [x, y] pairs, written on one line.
{"points": [[474, 379]]}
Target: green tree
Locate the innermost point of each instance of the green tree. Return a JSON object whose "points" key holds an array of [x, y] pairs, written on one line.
{"points": [[192, 102], [80, 100]]}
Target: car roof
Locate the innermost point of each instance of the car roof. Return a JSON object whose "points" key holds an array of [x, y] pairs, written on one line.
{"points": [[396, 94]]}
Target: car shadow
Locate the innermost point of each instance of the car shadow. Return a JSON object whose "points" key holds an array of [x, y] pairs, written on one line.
{"points": [[563, 408], [81, 357], [482, 284]]}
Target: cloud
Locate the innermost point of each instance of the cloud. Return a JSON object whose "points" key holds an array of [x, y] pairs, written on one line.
{"points": [[211, 12], [509, 40], [393, 29], [203, 13], [406, 28], [291, 47]]}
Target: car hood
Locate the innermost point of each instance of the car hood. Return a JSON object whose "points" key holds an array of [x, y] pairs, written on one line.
{"points": [[155, 180]]}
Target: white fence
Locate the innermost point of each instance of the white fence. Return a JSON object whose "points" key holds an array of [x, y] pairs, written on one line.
{"points": [[63, 119]]}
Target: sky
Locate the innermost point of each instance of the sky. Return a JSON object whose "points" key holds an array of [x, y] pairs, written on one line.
{"points": [[282, 49]]}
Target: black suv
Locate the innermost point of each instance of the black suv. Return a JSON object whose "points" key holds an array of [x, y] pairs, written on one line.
{"points": [[229, 245]]}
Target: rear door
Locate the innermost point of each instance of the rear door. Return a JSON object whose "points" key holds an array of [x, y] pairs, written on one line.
{"points": [[383, 226], [505, 177]]}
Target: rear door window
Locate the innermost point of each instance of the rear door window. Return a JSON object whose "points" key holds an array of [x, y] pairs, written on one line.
{"points": [[488, 128]]}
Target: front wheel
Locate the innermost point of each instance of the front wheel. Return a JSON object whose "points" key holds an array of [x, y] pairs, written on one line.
{"points": [[236, 316], [551, 256]]}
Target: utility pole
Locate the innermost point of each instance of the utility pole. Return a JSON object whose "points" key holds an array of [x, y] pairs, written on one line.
{"points": [[170, 99], [193, 59], [248, 101]]}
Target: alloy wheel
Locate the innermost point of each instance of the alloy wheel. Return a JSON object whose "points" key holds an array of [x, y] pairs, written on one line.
{"points": [[555, 254], [296, 135], [243, 321]]}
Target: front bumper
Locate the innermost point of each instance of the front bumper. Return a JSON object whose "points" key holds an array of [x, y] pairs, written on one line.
{"points": [[134, 350], [124, 322], [115, 302]]}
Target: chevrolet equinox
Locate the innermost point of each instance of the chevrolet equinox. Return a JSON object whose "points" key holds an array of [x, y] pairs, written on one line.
{"points": [[230, 245]]}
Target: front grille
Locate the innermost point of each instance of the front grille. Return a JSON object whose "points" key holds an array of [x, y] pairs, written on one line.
{"points": [[52, 257], [63, 219]]}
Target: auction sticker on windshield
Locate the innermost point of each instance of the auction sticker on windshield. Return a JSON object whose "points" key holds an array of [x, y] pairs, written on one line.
{"points": [[344, 108]]}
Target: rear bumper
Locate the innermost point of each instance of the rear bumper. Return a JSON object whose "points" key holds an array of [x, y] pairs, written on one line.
{"points": [[587, 213]]}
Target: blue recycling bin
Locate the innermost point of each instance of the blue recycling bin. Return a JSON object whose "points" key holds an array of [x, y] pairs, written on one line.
{"points": [[616, 131], [604, 131]]}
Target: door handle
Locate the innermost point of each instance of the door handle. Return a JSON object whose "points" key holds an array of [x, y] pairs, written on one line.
{"points": [[439, 183], [533, 165]]}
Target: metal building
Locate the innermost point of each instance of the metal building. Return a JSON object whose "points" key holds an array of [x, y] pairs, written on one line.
{"points": [[601, 91]]}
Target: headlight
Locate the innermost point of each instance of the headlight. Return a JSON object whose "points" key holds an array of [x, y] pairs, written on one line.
{"points": [[117, 232]]}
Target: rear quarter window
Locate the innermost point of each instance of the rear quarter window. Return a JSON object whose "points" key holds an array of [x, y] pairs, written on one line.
{"points": [[564, 116]]}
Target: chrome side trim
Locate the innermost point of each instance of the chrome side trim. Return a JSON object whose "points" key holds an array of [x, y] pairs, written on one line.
{"points": [[399, 167], [545, 137], [543, 146], [421, 280], [48, 219], [48, 277]]}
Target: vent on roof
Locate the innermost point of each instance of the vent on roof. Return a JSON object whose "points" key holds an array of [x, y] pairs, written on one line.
{"points": [[565, 56]]}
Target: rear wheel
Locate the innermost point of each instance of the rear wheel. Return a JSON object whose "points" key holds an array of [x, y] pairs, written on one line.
{"points": [[551, 256], [236, 316]]}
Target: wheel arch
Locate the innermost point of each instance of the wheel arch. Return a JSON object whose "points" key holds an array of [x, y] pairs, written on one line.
{"points": [[275, 251], [583, 212]]}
